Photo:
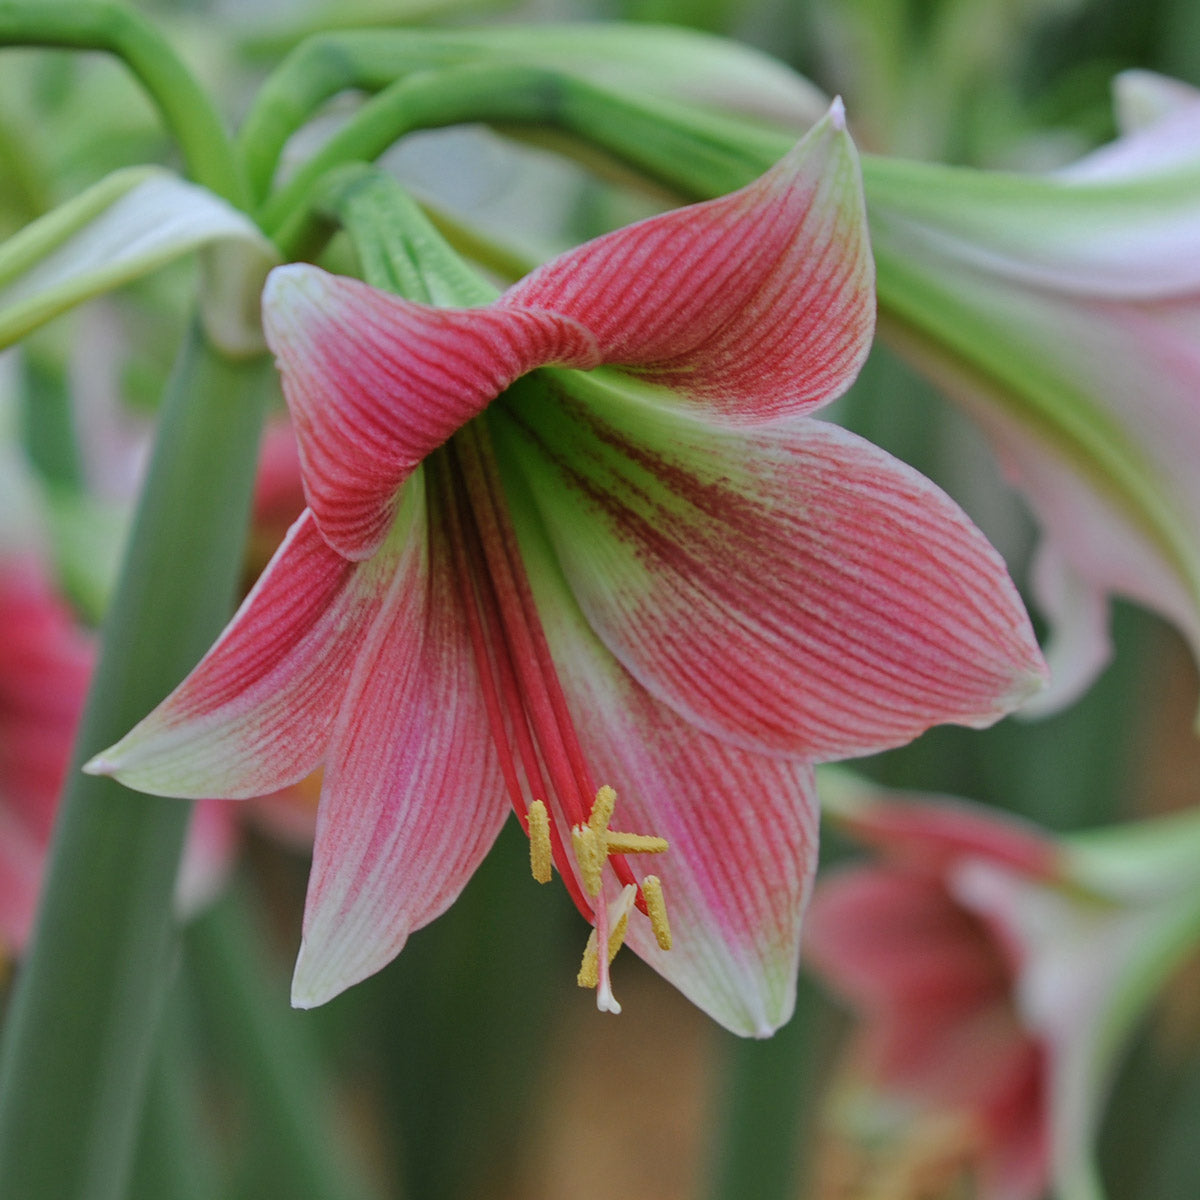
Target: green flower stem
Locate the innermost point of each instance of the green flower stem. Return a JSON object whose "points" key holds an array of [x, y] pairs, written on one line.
{"points": [[399, 248], [765, 1104], [120, 31], [372, 60], [698, 154], [317, 70], [270, 1055], [79, 1033]]}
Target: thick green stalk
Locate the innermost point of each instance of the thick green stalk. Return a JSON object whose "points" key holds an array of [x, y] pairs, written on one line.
{"points": [[79, 1033], [272, 1058], [116, 29]]}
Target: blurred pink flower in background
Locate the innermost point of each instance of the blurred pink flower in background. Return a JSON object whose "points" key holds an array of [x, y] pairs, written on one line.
{"points": [[46, 661], [996, 972], [934, 987]]}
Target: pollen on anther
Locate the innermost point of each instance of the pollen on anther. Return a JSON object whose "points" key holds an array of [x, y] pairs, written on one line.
{"points": [[540, 856], [591, 854], [589, 968], [634, 843], [602, 809], [656, 909]]}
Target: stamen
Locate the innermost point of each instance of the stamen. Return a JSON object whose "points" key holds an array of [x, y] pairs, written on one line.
{"points": [[540, 853], [602, 809], [589, 968], [634, 843], [656, 906]]}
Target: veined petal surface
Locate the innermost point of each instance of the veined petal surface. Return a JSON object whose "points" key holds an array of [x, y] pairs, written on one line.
{"points": [[375, 382], [742, 827], [413, 796], [1090, 405], [255, 714], [753, 306], [793, 590]]}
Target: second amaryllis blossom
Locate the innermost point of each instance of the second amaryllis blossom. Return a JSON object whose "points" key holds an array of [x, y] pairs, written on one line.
{"points": [[634, 605], [1062, 311], [998, 972]]}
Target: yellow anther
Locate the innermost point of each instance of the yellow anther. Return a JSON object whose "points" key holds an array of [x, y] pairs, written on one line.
{"points": [[540, 856], [633, 843], [602, 809], [656, 909], [591, 855], [589, 969]]}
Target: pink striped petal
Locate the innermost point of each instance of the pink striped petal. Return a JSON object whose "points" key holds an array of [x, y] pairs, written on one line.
{"points": [[375, 382], [413, 797], [756, 305], [892, 936], [742, 827], [792, 590], [255, 714], [929, 834]]}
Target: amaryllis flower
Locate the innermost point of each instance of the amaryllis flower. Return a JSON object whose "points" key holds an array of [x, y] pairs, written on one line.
{"points": [[996, 972], [1064, 312], [634, 605]]}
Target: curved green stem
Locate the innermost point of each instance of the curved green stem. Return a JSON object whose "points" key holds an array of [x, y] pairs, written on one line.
{"points": [[698, 154], [111, 27], [318, 69], [79, 1032]]}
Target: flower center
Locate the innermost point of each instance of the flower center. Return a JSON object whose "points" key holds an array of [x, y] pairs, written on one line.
{"points": [[566, 817]]}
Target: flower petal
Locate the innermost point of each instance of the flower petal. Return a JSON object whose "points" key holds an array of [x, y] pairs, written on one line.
{"points": [[792, 590], [1078, 646], [742, 827], [254, 715], [1110, 475], [927, 834], [756, 305], [127, 225], [412, 797], [892, 937], [375, 382], [1122, 223], [1087, 971]]}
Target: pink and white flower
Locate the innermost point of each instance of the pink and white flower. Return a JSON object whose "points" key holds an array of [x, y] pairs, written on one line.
{"points": [[1063, 311], [996, 972], [662, 577]]}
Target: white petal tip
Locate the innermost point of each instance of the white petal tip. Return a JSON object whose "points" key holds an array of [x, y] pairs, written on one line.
{"points": [[99, 766], [289, 277], [837, 114]]}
